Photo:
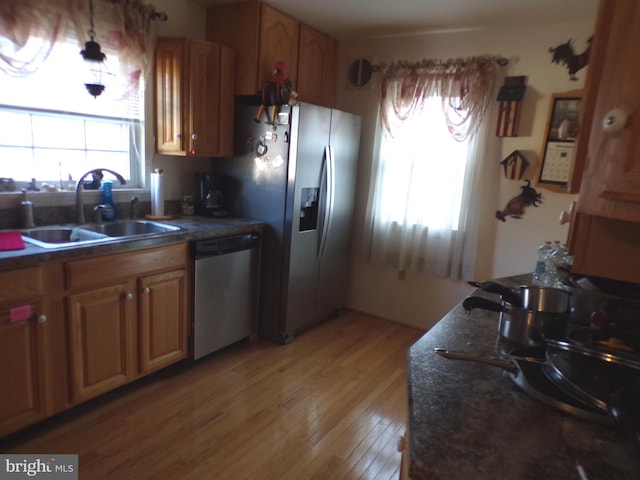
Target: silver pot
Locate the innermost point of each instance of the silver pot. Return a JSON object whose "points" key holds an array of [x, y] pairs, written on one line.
{"points": [[530, 297], [545, 299], [520, 326]]}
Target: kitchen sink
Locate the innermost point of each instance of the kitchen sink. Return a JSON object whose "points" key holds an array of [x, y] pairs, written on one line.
{"points": [[130, 228], [65, 236]]}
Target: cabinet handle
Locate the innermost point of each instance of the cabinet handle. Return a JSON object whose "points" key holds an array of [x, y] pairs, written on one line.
{"points": [[614, 120], [42, 319], [146, 291], [129, 296]]}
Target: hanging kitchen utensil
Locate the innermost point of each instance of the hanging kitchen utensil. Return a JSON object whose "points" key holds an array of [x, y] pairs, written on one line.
{"points": [[525, 367], [520, 326]]}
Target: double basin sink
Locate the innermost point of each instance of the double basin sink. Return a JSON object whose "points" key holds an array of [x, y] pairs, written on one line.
{"points": [[59, 236]]}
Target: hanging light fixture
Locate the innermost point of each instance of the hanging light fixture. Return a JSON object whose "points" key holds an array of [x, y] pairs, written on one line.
{"points": [[94, 59]]}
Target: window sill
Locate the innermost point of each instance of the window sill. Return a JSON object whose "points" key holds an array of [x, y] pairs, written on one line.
{"points": [[10, 200]]}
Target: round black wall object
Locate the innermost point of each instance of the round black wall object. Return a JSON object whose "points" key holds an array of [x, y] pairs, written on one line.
{"points": [[360, 72]]}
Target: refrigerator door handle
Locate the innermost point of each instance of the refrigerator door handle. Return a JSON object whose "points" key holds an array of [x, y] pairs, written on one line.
{"points": [[329, 171]]}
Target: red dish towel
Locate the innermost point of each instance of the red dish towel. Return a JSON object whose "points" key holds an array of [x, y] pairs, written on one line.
{"points": [[11, 241]]}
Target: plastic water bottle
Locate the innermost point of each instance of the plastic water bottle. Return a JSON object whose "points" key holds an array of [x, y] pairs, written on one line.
{"points": [[540, 274], [559, 258]]}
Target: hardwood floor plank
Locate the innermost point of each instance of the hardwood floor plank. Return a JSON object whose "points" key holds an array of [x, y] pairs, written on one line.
{"points": [[329, 405]]}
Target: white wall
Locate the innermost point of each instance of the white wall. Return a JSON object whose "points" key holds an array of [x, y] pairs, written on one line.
{"points": [[507, 248]]}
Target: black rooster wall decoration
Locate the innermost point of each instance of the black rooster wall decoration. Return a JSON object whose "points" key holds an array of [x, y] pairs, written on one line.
{"points": [[516, 206], [564, 54]]}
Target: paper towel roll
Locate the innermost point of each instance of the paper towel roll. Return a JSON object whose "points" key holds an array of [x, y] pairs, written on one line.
{"points": [[157, 194]]}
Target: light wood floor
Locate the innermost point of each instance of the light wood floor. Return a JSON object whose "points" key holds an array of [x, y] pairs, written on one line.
{"points": [[329, 405]]}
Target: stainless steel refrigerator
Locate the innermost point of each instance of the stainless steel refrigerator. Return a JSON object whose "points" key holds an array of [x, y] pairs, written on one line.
{"points": [[295, 170]]}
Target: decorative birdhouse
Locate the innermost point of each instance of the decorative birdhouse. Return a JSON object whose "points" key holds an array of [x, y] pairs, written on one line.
{"points": [[514, 165], [510, 98]]}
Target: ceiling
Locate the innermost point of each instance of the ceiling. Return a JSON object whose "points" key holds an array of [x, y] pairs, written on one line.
{"points": [[355, 18]]}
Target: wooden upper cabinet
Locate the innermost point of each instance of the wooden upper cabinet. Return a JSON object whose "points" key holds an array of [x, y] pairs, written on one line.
{"points": [[261, 35], [278, 42], [611, 179], [604, 237], [317, 67], [194, 98]]}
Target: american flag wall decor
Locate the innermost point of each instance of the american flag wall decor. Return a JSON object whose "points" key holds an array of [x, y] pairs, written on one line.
{"points": [[510, 98]]}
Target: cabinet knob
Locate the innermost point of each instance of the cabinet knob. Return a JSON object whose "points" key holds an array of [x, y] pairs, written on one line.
{"points": [[42, 319], [177, 135], [146, 291], [129, 296], [194, 136], [615, 120]]}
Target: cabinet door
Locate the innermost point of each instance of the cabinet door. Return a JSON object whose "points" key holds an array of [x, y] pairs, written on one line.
{"points": [[316, 67], [210, 99], [170, 54], [102, 330], [22, 346], [279, 35], [163, 320], [611, 180], [237, 26], [203, 98]]}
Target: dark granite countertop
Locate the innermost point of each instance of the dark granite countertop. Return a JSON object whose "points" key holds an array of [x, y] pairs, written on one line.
{"points": [[470, 421], [192, 228]]}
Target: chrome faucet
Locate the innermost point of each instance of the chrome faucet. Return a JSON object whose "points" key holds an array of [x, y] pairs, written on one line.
{"points": [[80, 220]]}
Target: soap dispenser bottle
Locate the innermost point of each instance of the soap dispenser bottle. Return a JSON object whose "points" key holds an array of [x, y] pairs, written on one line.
{"points": [[26, 211], [109, 212]]}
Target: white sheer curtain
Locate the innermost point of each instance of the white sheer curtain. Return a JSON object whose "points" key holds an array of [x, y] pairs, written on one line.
{"points": [[424, 211]]}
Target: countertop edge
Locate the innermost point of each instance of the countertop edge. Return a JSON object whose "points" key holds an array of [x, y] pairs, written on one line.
{"points": [[192, 229]]}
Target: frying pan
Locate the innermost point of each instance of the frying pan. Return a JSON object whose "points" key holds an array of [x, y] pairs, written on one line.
{"points": [[624, 407], [590, 375], [525, 366]]}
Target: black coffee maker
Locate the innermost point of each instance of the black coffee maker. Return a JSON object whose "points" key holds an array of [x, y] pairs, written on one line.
{"points": [[209, 199]]}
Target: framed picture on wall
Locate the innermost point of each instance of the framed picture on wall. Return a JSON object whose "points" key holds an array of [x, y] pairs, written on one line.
{"points": [[558, 148]]}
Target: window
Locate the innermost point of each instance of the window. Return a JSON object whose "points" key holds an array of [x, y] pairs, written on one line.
{"points": [[422, 172], [425, 202], [53, 130]]}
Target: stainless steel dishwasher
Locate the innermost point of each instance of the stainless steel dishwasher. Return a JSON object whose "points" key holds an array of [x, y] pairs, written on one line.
{"points": [[226, 291]]}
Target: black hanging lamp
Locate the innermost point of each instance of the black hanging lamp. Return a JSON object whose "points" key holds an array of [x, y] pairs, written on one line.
{"points": [[94, 59]]}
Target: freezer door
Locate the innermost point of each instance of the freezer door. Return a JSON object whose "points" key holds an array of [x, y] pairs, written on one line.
{"points": [[334, 264], [300, 293]]}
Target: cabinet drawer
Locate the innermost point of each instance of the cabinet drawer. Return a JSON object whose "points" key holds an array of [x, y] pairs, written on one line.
{"points": [[21, 284], [103, 270]]}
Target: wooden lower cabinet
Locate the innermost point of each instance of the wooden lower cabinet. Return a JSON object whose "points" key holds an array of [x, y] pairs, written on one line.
{"points": [[163, 325], [133, 326], [101, 340], [22, 369]]}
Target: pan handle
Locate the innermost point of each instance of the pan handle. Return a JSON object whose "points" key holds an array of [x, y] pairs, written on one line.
{"points": [[470, 303], [507, 293], [508, 366]]}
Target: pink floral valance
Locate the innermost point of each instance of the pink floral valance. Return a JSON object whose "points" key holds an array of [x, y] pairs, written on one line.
{"points": [[465, 86], [125, 29]]}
